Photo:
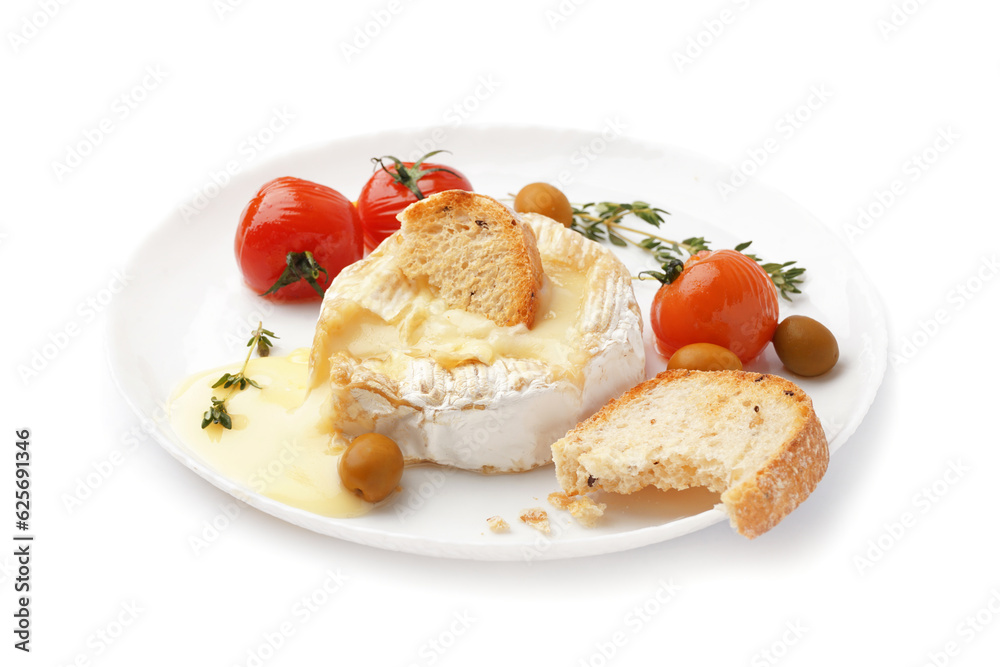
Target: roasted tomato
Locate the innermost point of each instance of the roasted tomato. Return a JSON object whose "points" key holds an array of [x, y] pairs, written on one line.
{"points": [[395, 186], [294, 237], [721, 297]]}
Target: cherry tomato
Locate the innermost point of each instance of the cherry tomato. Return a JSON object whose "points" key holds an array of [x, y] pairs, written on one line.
{"points": [[721, 297], [395, 186], [294, 237]]}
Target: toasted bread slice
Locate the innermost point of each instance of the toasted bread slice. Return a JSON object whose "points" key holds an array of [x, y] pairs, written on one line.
{"points": [[476, 253], [752, 437]]}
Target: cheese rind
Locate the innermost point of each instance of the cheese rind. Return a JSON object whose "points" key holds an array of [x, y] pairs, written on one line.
{"points": [[460, 391]]}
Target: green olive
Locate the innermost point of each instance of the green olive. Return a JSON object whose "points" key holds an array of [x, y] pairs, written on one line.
{"points": [[704, 357], [805, 346], [371, 466], [544, 199]]}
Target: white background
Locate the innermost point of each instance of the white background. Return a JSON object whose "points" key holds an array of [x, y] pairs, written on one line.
{"points": [[842, 580]]}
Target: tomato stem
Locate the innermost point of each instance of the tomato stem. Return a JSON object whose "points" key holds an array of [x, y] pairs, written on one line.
{"points": [[409, 177], [298, 266], [671, 271]]}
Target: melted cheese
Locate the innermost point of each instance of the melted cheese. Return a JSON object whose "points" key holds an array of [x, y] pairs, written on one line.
{"points": [[449, 386], [275, 446], [426, 328], [439, 381]]}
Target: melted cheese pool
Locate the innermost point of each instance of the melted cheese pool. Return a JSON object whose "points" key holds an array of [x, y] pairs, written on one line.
{"points": [[275, 446], [281, 446], [425, 327]]}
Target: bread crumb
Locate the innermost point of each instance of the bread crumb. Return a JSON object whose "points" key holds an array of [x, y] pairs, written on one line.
{"points": [[583, 509], [537, 518], [586, 511], [497, 524], [559, 500]]}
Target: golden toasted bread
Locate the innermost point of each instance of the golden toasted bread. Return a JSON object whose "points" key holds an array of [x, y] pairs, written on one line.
{"points": [[752, 437], [476, 253]]}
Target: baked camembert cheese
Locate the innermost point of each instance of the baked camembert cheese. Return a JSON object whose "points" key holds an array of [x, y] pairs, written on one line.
{"points": [[451, 376]]}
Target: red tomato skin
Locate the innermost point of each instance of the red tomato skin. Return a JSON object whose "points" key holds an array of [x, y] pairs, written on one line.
{"points": [[721, 297], [294, 215], [382, 198]]}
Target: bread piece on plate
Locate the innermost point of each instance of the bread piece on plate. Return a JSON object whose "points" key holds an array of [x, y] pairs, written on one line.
{"points": [[476, 253], [752, 437]]}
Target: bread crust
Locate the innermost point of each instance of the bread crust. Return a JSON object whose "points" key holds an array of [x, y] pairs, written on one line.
{"points": [[755, 501], [494, 270], [757, 505]]}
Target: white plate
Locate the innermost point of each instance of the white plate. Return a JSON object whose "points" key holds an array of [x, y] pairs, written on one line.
{"points": [[185, 274]]}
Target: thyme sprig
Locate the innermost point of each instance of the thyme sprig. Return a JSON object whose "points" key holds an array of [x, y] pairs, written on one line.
{"points": [[260, 340], [600, 221]]}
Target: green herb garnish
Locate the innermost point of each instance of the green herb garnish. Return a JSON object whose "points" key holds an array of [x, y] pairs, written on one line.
{"points": [[599, 221], [217, 413]]}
